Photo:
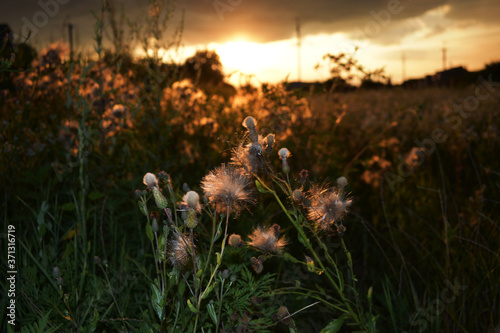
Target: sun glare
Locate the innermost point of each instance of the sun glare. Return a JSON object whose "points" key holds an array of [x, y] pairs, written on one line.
{"points": [[243, 56]]}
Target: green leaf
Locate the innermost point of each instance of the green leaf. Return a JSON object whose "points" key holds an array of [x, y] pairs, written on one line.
{"points": [[259, 187], [68, 207], [96, 195], [149, 232], [191, 307], [211, 312], [289, 257], [156, 301], [93, 323], [334, 325], [143, 208]]}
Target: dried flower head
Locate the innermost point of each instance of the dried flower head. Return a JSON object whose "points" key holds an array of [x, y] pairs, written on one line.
{"points": [[327, 207], [150, 180], [267, 240], [181, 251], [257, 265], [249, 157], [283, 315], [227, 188], [236, 241]]}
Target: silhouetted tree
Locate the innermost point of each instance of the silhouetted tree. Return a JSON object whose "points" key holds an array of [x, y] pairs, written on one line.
{"points": [[204, 68]]}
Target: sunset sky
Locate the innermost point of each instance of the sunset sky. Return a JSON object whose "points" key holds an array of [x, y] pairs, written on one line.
{"points": [[259, 37]]}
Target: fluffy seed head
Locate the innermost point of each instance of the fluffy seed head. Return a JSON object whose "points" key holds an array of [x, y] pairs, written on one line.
{"points": [[267, 240], [150, 180], [249, 157], [226, 187], [181, 251], [327, 207]]}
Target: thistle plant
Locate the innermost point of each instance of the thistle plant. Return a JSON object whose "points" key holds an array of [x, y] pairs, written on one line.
{"points": [[315, 215]]}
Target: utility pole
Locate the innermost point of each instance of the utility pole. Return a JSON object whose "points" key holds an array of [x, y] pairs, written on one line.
{"points": [[403, 64], [299, 46], [70, 31], [444, 55]]}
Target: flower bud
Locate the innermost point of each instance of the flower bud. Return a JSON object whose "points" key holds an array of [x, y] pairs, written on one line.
{"points": [[269, 140], [150, 180], [342, 181], [251, 125], [154, 225], [160, 200], [191, 221], [97, 260], [138, 193], [284, 153], [236, 241], [56, 272], [59, 281]]}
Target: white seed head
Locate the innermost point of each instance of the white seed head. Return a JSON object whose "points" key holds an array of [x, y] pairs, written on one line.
{"points": [[284, 153], [193, 200], [249, 122], [342, 181], [150, 180]]}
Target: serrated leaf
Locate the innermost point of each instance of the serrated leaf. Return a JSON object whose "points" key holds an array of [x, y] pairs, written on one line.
{"points": [[156, 301], [259, 187]]}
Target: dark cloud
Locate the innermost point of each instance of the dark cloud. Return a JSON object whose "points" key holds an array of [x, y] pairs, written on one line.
{"points": [[208, 21]]}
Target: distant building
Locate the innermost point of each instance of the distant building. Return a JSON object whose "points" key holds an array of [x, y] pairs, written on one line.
{"points": [[452, 77]]}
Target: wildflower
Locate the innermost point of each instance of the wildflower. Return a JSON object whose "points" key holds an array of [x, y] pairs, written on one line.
{"points": [[181, 251], [327, 207], [227, 189], [251, 125], [235, 240], [267, 240]]}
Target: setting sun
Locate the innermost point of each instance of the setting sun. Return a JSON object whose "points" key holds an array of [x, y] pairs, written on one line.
{"points": [[246, 57]]}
